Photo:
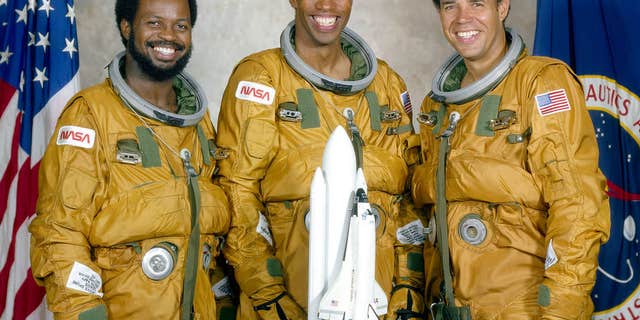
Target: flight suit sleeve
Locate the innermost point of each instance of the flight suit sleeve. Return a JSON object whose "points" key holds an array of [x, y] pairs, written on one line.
{"points": [[563, 158], [72, 180], [247, 129], [406, 300]]}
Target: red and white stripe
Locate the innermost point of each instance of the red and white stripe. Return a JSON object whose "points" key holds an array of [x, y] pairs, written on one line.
{"points": [[20, 297]]}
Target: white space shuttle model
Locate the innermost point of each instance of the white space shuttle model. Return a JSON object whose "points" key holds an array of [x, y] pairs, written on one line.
{"points": [[342, 239]]}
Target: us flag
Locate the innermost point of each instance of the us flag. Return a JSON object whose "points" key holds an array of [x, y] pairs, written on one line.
{"points": [[38, 74], [552, 102], [406, 102]]}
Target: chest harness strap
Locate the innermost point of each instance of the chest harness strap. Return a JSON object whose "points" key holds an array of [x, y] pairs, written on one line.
{"points": [[446, 309], [193, 250]]}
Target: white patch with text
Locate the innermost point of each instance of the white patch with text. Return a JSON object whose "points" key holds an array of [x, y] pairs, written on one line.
{"points": [[222, 288], [255, 92], [411, 233], [263, 228], [84, 279], [552, 258], [76, 136]]}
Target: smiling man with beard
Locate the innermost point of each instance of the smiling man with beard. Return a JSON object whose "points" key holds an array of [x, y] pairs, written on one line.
{"points": [[128, 220]]}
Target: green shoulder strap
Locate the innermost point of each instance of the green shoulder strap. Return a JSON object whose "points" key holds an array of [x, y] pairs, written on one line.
{"points": [[488, 112], [307, 106], [374, 110], [148, 148], [204, 146]]}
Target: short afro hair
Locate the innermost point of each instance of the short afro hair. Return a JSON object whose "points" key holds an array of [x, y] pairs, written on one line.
{"points": [[127, 9]]}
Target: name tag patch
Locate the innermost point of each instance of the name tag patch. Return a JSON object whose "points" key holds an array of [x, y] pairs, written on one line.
{"points": [[84, 279], [255, 92], [222, 288], [263, 228], [76, 136], [411, 233]]}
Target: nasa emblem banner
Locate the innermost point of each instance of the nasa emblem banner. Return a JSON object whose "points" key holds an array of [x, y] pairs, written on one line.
{"points": [[596, 38]]}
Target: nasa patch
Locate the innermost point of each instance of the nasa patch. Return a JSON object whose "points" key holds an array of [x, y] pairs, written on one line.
{"points": [[76, 136], [255, 92], [615, 113]]}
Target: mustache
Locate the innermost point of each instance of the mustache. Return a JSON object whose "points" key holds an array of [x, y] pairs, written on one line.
{"points": [[172, 44]]}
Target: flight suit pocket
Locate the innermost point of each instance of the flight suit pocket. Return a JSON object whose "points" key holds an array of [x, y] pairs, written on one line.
{"points": [[551, 165], [77, 188], [259, 138], [519, 228]]}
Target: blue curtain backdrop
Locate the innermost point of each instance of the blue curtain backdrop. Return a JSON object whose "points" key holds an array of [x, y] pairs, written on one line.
{"points": [[600, 40]]}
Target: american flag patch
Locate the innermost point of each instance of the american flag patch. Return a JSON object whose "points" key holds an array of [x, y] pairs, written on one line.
{"points": [[552, 102], [406, 102]]}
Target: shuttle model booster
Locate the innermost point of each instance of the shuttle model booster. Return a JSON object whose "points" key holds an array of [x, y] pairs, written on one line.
{"points": [[342, 239]]}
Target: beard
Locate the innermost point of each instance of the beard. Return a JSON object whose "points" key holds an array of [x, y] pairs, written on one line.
{"points": [[146, 65]]}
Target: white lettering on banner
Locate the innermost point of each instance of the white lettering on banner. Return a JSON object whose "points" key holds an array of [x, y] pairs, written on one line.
{"points": [[604, 94], [263, 228], [411, 233], [83, 278], [255, 92], [222, 288], [628, 311], [76, 136]]}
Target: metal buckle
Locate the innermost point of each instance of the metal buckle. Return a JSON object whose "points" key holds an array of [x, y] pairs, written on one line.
{"points": [[390, 116], [290, 115], [128, 151], [220, 153], [431, 307], [428, 119], [505, 119], [206, 256]]}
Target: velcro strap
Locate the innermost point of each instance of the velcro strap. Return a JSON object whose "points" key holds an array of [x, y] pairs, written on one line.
{"points": [[374, 110], [404, 286], [408, 313], [148, 147], [307, 106], [488, 111], [204, 145], [267, 306]]}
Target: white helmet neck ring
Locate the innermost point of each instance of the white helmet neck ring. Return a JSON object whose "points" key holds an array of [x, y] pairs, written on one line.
{"points": [[147, 109], [322, 81], [481, 86]]}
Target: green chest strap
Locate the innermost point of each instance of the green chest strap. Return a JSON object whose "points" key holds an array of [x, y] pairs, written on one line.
{"points": [[446, 310], [193, 249]]}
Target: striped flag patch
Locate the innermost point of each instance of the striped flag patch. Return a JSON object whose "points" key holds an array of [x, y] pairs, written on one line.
{"points": [[406, 102], [552, 102]]}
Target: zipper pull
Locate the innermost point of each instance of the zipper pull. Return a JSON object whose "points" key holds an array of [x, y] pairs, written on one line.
{"points": [[454, 117], [185, 155]]}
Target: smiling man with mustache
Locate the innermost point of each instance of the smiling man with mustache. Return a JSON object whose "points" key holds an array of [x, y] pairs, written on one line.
{"points": [[510, 175]]}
